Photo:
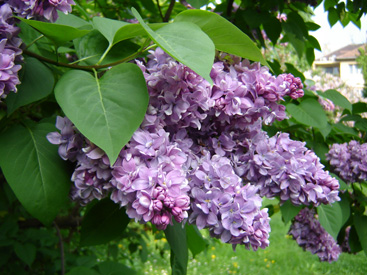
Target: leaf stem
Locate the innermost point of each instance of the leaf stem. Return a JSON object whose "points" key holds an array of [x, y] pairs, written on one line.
{"points": [[34, 41], [104, 54]]}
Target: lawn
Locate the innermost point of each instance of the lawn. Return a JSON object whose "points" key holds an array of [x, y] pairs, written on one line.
{"points": [[283, 256]]}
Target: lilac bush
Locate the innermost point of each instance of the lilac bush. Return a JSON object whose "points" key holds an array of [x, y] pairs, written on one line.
{"points": [[200, 154], [311, 236]]}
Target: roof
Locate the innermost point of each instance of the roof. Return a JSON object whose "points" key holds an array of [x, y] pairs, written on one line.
{"points": [[347, 52]]}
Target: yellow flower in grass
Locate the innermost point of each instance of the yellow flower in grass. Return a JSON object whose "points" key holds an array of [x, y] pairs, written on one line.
{"points": [[120, 245], [213, 256], [235, 265]]}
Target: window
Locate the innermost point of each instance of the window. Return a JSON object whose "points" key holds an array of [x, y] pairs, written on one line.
{"points": [[332, 70], [354, 69]]}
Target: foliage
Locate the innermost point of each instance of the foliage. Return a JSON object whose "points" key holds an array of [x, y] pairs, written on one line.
{"points": [[92, 66]]}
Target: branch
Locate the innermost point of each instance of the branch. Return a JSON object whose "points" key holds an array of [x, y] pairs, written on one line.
{"points": [[62, 254], [87, 68], [169, 11], [229, 7], [160, 10]]}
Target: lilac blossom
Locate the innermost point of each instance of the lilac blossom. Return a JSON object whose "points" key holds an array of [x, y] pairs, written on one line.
{"points": [[283, 167], [69, 140], [200, 154], [349, 160], [91, 176], [40, 9], [228, 209], [10, 53], [311, 236]]}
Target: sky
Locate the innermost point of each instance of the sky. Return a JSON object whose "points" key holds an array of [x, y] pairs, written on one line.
{"points": [[334, 38]]}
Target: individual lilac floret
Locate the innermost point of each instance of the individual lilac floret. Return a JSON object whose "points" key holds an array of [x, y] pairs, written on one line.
{"points": [[70, 141], [228, 209], [283, 167], [311, 236], [349, 160]]}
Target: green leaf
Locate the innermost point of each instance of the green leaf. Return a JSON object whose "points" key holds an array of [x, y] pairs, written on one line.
{"points": [[92, 46], [185, 42], [197, 4], [332, 16], [104, 222], [325, 131], [26, 252], [34, 170], [273, 28], [345, 130], [330, 3], [37, 82], [81, 270], [107, 110], [359, 107], [195, 240], [115, 268], [360, 222], [338, 99], [353, 240], [309, 113], [226, 36], [176, 237], [58, 34], [289, 211], [134, 30], [331, 218], [72, 21], [108, 27]]}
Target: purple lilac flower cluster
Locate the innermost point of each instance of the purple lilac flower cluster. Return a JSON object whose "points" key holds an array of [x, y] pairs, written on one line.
{"points": [[349, 160], [10, 53], [311, 236], [199, 157], [285, 168], [92, 173], [40, 9], [229, 209]]}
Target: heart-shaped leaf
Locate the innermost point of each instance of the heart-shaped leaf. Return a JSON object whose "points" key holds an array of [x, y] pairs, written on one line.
{"points": [[185, 42], [226, 36], [106, 110], [34, 170]]}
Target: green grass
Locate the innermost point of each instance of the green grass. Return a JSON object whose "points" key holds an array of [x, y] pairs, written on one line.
{"points": [[283, 256]]}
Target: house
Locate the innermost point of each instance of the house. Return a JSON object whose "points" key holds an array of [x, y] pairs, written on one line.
{"points": [[343, 63]]}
